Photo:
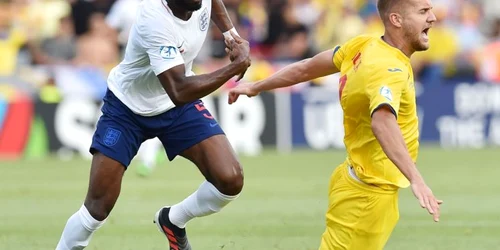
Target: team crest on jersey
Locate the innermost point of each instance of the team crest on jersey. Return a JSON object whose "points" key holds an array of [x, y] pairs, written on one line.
{"points": [[168, 52], [386, 92], [204, 20], [111, 137], [356, 61]]}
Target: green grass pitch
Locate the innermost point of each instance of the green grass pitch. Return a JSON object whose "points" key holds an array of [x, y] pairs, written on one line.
{"points": [[282, 205]]}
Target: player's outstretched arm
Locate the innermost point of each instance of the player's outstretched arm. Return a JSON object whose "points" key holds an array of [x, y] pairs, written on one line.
{"points": [[386, 129], [183, 89], [305, 70]]}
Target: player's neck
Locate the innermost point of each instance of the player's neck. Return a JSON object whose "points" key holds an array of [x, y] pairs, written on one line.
{"points": [[179, 12], [398, 43]]}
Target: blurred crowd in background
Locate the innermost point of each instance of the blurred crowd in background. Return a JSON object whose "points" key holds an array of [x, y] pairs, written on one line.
{"points": [[91, 35]]}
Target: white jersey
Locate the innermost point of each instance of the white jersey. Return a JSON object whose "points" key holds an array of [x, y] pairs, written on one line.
{"points": [[157, 42]]}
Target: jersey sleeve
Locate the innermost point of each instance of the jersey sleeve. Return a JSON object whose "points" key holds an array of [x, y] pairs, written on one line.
{"points": [[338, 55], [385, 87], [340, 52], [160, 45]]}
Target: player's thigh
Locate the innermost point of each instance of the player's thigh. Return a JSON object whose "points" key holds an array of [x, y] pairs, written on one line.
{"points": [[115, 142], [358, 216], [189, 125], [118, 133], [197, 136]]}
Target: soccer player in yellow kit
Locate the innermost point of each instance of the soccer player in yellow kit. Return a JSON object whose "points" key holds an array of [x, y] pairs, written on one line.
{"points": [[377, 95]]}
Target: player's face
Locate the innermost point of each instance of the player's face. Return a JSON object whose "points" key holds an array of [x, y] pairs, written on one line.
{"points": [[418, 19], [189, 5]]}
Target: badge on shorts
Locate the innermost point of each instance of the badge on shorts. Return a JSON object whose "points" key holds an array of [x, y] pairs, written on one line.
{"points": [[111, 137]]}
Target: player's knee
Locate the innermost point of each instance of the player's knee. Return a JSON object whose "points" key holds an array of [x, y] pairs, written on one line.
{"points": [[97, 209], [231, 182]]}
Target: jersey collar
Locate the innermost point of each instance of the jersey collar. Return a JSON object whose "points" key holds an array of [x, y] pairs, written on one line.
{"points": [[395, 50]]}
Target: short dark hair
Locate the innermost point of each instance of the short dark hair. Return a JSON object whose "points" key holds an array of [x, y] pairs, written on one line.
{"points": [[385, 6]]}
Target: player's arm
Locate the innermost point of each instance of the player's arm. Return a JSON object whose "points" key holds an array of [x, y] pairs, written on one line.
{"points": [[184, 89], [220, 17], [305, 70], [162, 47], [386, 129], [384, 92]]}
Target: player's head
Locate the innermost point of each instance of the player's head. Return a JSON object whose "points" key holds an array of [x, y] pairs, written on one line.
{"points": [[411, 19], [189, 5]]}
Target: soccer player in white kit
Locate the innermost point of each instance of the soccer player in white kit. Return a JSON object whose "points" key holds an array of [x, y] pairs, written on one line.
{"points": [[153, 93]]}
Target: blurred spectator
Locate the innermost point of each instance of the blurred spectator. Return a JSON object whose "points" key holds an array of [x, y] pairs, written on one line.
{"points": [[121, 17], [431, 65], [470, 38], [254, 14], [275, 23], [39, 18], [491, 8], [98, 47], [306, 12], [82, 10], [337, 24], [11, 40], [489, 60], [85, 37], [294, 45], [60, 49]]}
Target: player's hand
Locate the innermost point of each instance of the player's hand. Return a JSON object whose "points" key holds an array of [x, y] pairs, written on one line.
{"points": [[238, 50], [426, 199], [227, 41], [247, 89]]}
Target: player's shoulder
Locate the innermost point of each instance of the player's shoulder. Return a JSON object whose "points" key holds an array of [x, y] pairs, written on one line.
{"points": [[152, 16], [362, 39], [392, 64], [358, 42]]}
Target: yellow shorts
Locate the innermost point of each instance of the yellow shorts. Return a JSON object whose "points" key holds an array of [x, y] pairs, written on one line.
{"points": [[359, 216]]}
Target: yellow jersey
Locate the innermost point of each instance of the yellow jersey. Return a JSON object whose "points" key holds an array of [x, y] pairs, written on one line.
{"points": [[9, 48], [374, 74]]}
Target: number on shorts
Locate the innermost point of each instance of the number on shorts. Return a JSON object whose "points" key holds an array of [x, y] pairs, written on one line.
{"points": [[200, 107]]}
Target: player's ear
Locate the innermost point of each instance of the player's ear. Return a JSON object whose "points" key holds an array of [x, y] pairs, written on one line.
{"points": [[396, 19]]}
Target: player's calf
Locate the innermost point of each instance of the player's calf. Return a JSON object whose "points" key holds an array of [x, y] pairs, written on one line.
{"points": [[211, 152], [204, 201], [105, 183]]}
